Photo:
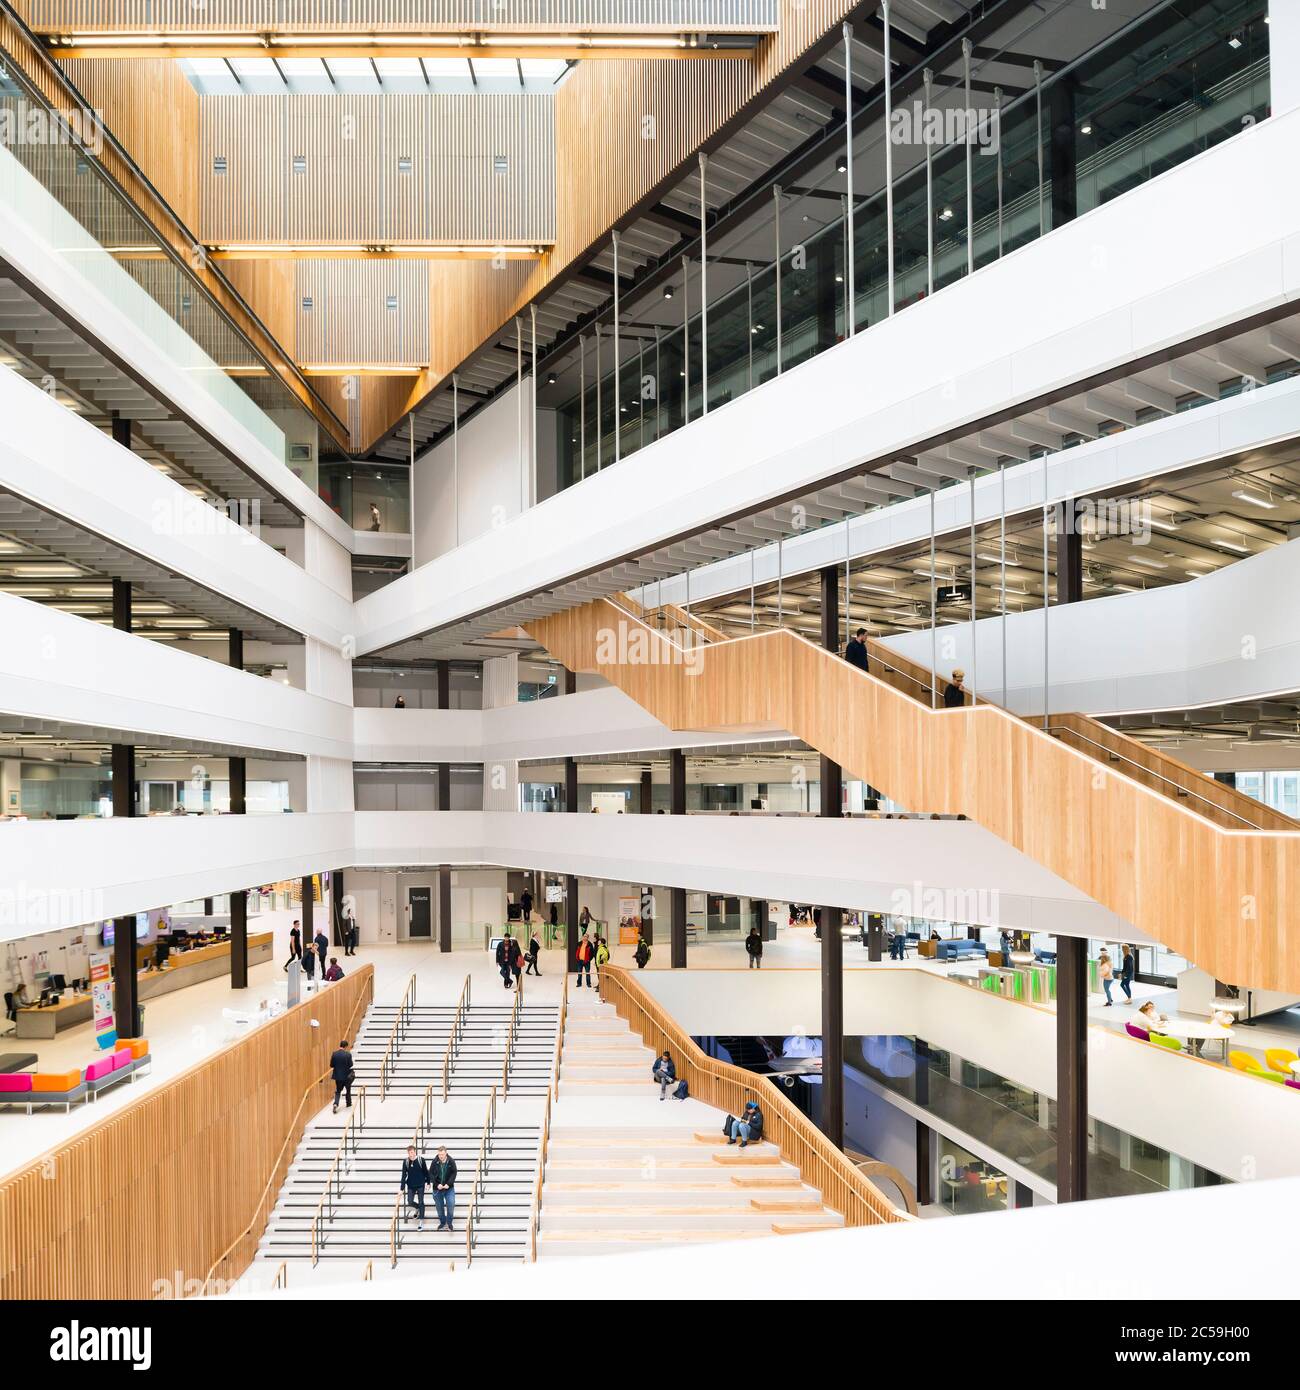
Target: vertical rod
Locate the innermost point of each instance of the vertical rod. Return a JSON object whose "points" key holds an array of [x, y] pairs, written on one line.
{"points": [[780, 571], [776, 222], [848, 580], [532, 461], [889, 157], [970, 180], [1002, 478], [640, 402], [753, 602], [749, 318], [598, 419], [1038, 140], [1071, 1069], [659, 393], [455, 451], [618, 399], [686, 341], [410, 502], [997, 135], [1047, 596], [934, 630], [704, 289], [974, 640], [928, 78], [582, 403], [519, 405], [850, 295]]}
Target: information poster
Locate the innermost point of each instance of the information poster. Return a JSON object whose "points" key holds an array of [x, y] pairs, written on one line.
{"points": [[629, 923], [101, 999]]}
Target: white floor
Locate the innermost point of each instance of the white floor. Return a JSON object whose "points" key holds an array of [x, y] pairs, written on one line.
{"points": [[185, 1027]]}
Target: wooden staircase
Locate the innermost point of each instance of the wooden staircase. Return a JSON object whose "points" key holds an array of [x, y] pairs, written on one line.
{"points": [[665, 1175], [1229, 899]]}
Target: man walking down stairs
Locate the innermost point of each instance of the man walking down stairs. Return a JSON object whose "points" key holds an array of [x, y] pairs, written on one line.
{"points": [[625, 1170]]}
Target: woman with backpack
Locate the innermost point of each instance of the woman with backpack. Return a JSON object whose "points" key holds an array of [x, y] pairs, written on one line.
{"points": [[642, 954]]}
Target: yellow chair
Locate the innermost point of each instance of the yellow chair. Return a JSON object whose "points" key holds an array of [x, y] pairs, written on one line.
{"points": [[1243, 1061], [1280, 1059]]}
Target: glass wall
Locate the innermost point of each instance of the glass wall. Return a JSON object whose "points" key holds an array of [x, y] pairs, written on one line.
{"points": [[53, 185], [1014, 1120], [1163, 90], [369, 497]]}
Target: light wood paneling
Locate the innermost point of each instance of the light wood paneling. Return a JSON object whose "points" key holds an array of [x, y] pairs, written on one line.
{"points": [[153, 119], [842, 1186], [1225, 899], [171, 1182], [622, 130]]}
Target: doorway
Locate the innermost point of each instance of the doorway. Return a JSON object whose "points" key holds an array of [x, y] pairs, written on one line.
{"points": [[419, 912]]}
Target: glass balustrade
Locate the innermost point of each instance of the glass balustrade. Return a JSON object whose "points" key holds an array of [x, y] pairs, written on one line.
{"points": [[1163, 90]]}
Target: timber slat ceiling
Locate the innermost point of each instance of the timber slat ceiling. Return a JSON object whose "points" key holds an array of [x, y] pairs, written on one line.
{"points": [[390, 16]]}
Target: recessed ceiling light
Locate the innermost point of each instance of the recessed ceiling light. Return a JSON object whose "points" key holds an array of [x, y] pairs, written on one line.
{"points": [[1254, 499], [1086, 128], [668, 291], [945, 215]]}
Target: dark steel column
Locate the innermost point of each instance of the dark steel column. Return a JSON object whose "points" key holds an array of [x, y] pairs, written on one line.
{"points": [[647, 792], [443, 779], [1063, 152], [121, 431], [238, 787], [923, 1194], [239, 940], [1069, 555], [875, 935], [1071, 1069], [677, 896], [123, 754], [570, 682], [1024, 1196], [126, 980], [572, 908], [336, 903], [235, 639], [308, 910], [832, 805]]}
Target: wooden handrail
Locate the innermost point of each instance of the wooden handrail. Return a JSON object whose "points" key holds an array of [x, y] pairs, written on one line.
{"points": [[559, 1040], [281, 1280], [395, 1037], [843, 1188], [1151, 767], [369, 1272], [874, 1167], [677, 618], [1223, 898], [257, 1224], [394, 1227], [332, 1188]]}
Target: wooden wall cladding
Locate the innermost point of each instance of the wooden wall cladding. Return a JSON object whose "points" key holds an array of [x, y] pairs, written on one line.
{"points": [[168, 1183], [623, 130], [377, 168], [350, 319], [1225, 899]]}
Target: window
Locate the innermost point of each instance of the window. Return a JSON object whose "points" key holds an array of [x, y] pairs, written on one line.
{"points": [[300, 164]]}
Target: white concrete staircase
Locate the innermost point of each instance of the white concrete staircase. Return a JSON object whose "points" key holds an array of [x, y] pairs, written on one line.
{"points": [[625, 1170]]}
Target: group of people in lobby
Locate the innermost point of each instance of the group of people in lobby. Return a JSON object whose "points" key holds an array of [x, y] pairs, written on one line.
{"points": [[315, 952]]}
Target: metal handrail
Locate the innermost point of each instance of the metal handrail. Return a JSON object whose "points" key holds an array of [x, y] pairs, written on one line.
{"points": [[535, 1214], [480, 1174], [453, 1038], [333, 1188], [404, 1010], [395, 1229], [511, 1032]]}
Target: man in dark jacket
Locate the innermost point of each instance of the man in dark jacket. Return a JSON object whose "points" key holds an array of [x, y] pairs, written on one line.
{"points": [[856, 651], [754, 948], [442, 1174], [415, 1177], [505, 961], [322, 943], [342, 1072]]}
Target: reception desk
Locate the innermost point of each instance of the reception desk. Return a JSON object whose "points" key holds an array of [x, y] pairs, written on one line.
{"points": [[183, 968]]}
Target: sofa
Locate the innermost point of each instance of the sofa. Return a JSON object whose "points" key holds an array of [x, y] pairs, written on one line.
{"points": [[960, 948], [38, 1090]]}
